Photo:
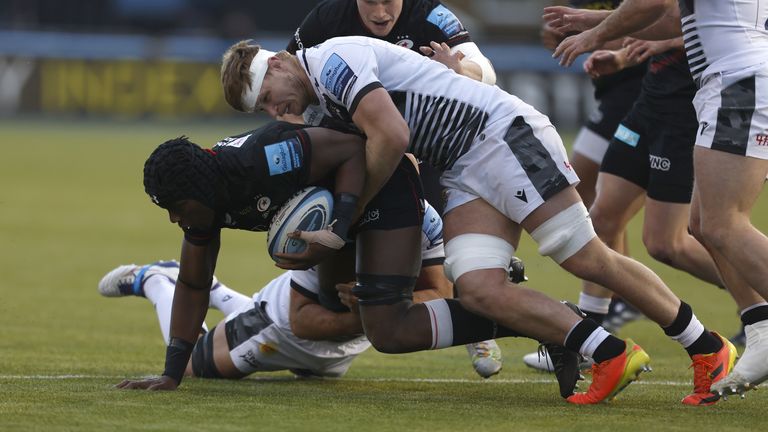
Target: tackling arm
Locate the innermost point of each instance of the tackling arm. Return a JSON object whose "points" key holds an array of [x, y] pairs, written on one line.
{"points": [[387, 139]]}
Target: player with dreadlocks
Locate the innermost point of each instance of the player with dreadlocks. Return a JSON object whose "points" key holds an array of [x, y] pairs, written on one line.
{"points": [[237, 185]]}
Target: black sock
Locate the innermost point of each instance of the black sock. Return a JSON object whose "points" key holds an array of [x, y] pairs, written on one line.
{"points": [[755, 315], [469, 327]]}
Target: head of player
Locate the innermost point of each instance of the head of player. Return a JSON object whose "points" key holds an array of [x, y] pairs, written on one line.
{"points": [[379, 16], [184, 179], [256, 79]]}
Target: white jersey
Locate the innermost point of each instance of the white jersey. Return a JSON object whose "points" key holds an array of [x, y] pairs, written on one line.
{"points": [[724, 35], [277, 294], [445, 111]]}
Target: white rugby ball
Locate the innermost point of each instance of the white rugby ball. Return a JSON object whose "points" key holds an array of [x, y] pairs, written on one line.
{"points": [[309, 210]]}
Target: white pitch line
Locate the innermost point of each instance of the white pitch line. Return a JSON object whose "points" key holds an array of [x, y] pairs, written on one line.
{"points": [[395, 380]]}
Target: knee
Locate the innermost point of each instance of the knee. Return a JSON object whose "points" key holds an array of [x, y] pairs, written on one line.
{"points": [[661, 249], [607, 225], [387, 341], [712, 235], [478, 296]]}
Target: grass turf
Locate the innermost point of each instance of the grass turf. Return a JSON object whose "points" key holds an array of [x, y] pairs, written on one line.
{"points": [[73, 207]]}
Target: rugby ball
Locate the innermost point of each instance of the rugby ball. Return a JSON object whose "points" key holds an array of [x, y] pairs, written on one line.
{"points": [[309, 210]]}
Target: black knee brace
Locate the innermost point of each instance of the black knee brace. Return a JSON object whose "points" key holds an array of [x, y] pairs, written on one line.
{"points": [[202, 357], [383, 289]]}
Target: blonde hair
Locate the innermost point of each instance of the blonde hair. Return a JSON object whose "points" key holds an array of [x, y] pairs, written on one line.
{"points": [[235, 75]]}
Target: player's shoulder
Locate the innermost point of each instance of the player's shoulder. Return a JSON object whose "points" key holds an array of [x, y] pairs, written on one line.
{"points": [[334, 15], [436, 14], [269, 133]]}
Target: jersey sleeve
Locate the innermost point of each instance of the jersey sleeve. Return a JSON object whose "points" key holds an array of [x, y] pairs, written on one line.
{"points": [[348, 72], [445, 26], [306, 283]]}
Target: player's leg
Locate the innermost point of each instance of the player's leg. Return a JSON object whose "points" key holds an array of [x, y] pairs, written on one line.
{"points": [[476, 249], [666, 236], [617, 201], [729, 200], [155, 282]]}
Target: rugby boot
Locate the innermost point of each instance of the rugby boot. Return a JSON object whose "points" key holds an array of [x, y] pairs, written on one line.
{"points": [[708, 369], [752, 367], [612, 376]]}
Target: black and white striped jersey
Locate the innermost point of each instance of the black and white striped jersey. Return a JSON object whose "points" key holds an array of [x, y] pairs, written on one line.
{"points": [[444, 110], [724, 35]]}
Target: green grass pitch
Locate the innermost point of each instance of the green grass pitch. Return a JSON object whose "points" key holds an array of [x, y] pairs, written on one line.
{"points": [[72, 207]]}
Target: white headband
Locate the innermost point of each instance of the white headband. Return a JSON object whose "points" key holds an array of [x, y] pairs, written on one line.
{"points": [[257, 70]]}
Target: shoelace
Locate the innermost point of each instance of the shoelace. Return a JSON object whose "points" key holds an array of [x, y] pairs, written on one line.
{"points": [[701, 380], [482, 350]]}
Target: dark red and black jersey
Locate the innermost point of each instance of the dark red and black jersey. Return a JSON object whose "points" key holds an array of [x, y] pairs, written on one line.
{"points": [[420, 22], [669, 77]]}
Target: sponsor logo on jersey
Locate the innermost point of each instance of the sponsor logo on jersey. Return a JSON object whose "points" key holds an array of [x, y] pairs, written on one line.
{"points": [[233, 141], [702, 127], [446, 21], [627, 135], [762, 140], [659, 163], [338, 77], [521, 196], [283, 157]]}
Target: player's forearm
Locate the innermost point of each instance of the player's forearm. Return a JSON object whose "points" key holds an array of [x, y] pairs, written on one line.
{"points": [[314, 322], [666, 27], [382, 156], [632, 16]]}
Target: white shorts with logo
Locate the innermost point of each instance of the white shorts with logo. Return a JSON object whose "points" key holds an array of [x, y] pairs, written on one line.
{"points": [[732, 109], [257, 344], [515, 164]]}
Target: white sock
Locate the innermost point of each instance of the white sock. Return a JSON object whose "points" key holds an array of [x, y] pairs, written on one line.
{"points": [[226, 299], [159, 290], [442, 323], [692, 332], [593, 304]]}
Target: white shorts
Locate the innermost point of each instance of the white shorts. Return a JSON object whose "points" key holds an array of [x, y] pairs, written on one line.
{"points": [[732, 108], [515, 165], [590, 145], [257, 344]]}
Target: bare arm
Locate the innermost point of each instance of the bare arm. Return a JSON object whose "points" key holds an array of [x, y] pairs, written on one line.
{"points": [[388, 137], [338, 152], [465, 59], [311, 321], [190, 305], [432, 284], [632, 16]]}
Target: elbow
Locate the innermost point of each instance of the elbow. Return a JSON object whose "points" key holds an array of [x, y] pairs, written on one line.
{"points": [[300, 331]]}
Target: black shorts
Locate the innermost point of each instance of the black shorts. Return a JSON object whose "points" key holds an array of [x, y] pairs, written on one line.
{"points": [[614, 103], [653, 148], [399, 204]]}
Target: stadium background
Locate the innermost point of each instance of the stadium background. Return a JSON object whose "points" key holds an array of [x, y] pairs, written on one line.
{"points": [[89, 87]]}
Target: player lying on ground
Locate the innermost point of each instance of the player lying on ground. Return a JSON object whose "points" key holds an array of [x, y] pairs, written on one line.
{"points": [[285, 325]]}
